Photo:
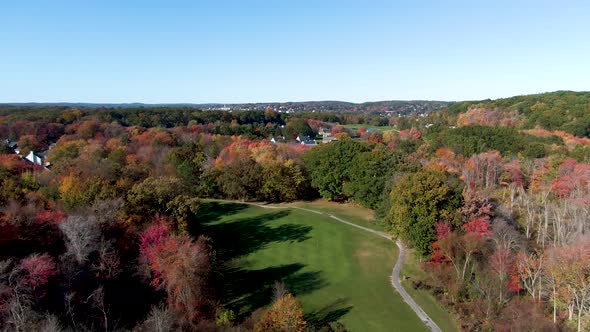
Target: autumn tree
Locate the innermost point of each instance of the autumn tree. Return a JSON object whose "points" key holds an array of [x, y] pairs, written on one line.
{"points": [[240, 178], [182, 268], [29, 143], [285, 315], [282, 181], [569, 271]]}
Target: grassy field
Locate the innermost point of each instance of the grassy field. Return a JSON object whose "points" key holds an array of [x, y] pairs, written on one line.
{"points": [[379, 129], [338, 272], [411, 268], [351, 212]]}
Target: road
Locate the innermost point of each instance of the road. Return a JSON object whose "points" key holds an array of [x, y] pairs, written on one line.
{"points": [[395, 282]]}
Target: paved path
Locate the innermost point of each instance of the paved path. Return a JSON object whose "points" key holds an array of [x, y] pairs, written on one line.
{"points": [[394, 273]]}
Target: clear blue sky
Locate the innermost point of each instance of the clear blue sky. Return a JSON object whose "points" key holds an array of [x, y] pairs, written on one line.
{"points": [[278, 50]]}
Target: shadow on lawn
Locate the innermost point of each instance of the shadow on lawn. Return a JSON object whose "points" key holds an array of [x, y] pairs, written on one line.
{"points": [[243, 236], [245, 289], [330, 313], [213, 211]]}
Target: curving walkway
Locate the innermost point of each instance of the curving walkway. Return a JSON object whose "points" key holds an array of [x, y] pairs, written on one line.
{"points": [[394, 273]]}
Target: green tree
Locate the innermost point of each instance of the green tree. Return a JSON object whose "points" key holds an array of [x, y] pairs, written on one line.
{"points": [[367, 176], [298, 126], [181, 208], [329, 166], [153, 194], [188, 160], [419, 201]]}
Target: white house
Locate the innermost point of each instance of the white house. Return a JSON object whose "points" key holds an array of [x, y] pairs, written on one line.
{"points": [[38, 158], [325, 132]]}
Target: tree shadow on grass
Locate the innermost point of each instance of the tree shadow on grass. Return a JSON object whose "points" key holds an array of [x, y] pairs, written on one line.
{"points": [[329, 313], [243, 236], [247, 290], [213, 211]]}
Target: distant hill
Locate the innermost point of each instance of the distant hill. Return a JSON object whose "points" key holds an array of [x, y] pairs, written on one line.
{"points": [[568, 111], [393, 106]]}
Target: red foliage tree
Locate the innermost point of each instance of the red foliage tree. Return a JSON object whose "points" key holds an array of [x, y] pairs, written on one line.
{"points": [[479, 227], [410, 134], [181, 267], [151, 238], [38, 269], [53, 217], [442, 231]]}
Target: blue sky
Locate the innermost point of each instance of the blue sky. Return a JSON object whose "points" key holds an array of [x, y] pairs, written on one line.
{"points": [[274, 50]]}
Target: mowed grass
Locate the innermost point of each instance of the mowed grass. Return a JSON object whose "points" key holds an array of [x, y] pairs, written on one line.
{"points": [[379, 129], [411, 269], [347, 211], [338, 272]]}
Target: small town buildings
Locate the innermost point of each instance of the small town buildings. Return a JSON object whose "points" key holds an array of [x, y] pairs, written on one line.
{"points": [[278, 139], [305, 140], [37, 158]]}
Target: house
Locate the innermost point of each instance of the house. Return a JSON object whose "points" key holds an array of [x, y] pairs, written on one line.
{"points": [[303, 138], [309, 143], [12, 146], [38, 158], [325, 132], [328, 139], [278, 139]]}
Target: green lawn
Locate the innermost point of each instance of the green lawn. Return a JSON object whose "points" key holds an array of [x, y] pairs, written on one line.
{"points": [[338, 272], [350, 212], [411, 269], [379, 129]]}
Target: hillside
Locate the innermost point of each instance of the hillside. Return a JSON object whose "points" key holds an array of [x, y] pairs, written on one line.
{"points": [[567, 111]]}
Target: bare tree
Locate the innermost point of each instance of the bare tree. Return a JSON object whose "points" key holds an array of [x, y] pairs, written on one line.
{"points": [[98, 302], [530, 270], [108, 265], [50, 324], [70, 308], [160, 319], [82, 235], [505, 236], [106, 212], [279, 290]]}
